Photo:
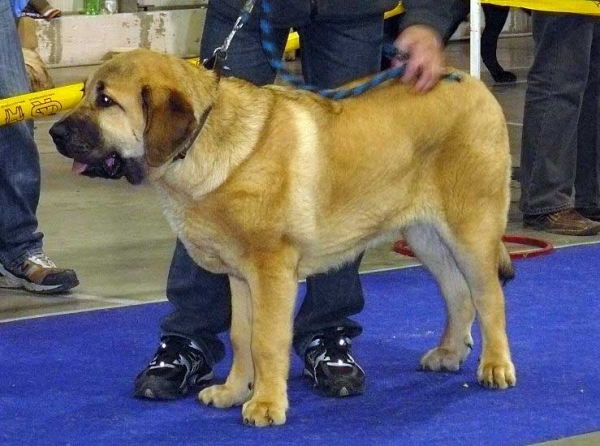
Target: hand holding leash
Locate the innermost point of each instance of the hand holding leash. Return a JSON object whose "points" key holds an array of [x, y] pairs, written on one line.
{"points": [[425, 62]]}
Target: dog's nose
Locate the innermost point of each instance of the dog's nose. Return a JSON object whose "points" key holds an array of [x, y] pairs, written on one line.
{"points": [[59, 132]]}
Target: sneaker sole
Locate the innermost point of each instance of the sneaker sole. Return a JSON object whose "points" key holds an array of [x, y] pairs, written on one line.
{"points": [[13, 282], [155, 389], [348, 388]]}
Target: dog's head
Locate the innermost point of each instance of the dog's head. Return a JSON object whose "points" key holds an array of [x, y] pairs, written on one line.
{"points": [[139, 111]]}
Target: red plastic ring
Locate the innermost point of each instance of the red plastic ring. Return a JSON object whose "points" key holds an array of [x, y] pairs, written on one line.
{"points": [[544, 247]]}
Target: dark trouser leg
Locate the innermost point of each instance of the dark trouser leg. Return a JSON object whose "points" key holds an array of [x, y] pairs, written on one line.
{"points": [[330, 299], [556, 85], [587, 178], [495, 18], [202, 304], [459, 11], [19, 159], [333, 54], [390, 32]]}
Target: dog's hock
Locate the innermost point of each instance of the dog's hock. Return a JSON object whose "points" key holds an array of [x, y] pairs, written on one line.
{"points": [[170, 124]]}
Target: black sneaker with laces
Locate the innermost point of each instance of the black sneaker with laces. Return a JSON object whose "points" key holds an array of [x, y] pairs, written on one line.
{"points": [[178, 368], [331, 367]]}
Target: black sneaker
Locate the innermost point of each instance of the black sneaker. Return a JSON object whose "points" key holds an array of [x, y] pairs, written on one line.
{"points": [[177, 368], [331, 367]]}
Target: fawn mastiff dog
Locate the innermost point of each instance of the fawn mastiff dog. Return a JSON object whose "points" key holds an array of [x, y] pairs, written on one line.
{"points": [[270, 184]]}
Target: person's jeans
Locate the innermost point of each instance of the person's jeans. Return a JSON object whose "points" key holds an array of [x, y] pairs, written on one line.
{"points": [[560, 147], [19, 159], [332, 53]]}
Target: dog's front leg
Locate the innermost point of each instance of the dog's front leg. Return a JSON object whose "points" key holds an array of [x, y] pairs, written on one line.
{"points": [[238, 386], [273, 291]]}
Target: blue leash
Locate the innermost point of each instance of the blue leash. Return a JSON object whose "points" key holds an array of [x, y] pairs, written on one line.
{"points": [[217, 61], [276, 63]]}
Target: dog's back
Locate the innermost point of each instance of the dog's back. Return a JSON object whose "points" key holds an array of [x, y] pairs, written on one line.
{"points": [[366, 167]]}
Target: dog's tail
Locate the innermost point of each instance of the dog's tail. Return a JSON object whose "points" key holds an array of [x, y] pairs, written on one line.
{"points": [[506, 271]]}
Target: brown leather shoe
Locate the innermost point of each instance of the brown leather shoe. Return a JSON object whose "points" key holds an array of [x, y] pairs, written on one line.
{"points": [[590, 213], [565, 222]]}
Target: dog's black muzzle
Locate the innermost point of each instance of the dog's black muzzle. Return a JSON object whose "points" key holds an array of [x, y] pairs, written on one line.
{"points": [[88, 160]]}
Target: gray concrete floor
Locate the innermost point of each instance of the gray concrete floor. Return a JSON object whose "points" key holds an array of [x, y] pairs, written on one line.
{"points": [[115, 237]]}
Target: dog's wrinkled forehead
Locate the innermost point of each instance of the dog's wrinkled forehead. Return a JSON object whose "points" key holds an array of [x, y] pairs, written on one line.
{"points": [[110, 76]]}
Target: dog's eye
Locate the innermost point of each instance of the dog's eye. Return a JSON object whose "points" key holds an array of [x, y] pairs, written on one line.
{"points": [[104, 101]]}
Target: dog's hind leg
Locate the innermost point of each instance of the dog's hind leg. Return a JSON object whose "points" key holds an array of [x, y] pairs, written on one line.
{"points": [[238, 386], [456, 342], [480, 255]]}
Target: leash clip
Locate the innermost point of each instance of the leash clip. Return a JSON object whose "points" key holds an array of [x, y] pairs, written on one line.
{"points": [[216, 61]]}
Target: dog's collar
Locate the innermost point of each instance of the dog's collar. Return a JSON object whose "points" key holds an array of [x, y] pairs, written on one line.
{"points": [[183, 152]]}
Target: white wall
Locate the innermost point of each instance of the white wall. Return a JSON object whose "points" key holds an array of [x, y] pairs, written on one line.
{"points": [[85, 40], [76, 6]]}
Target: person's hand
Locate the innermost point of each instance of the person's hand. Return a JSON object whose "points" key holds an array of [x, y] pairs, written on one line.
{"points": [[425, 62]]}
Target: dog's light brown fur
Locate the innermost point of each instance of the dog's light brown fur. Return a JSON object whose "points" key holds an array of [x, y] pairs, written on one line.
{"points": [[281, 184]]}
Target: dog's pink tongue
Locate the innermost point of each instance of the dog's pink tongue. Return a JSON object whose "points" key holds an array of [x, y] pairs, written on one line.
{"points": [[78, 167]]}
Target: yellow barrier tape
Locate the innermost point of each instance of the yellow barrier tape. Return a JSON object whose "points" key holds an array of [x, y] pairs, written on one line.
{"points": [[588, 7], [293, 42], [40, 104], [392, 12]]}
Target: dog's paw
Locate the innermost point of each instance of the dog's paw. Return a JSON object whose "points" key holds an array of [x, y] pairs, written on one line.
{"points": [[264, 413], [441, 358], [223, 396], [497, 374]]}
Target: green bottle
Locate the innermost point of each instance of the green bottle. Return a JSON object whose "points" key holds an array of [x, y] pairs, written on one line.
{"points": [[92, 7]]}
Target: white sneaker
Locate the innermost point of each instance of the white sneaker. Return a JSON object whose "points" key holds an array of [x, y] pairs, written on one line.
{"points": [[38, 274]]}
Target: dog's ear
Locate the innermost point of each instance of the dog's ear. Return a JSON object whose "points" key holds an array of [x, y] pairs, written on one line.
{"points": [[170, 124]]}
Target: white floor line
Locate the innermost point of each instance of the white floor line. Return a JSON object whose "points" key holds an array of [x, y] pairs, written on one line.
{"points": [[517, 124], [120, 303], [589, 242], [391, 268], [102, 299]]}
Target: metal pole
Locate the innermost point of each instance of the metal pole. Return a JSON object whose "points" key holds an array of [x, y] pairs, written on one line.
{"points": [[475, 38]]}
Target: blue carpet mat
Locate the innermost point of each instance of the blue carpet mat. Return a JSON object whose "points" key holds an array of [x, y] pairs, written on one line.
{"points": [[68, 379]]}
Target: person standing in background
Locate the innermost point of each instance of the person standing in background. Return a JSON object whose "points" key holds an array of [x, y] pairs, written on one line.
{"points": [[23, 263], [560, 179]]}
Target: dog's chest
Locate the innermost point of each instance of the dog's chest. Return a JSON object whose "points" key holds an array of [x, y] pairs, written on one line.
{"points": [[203, 245], [205, 255]]}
